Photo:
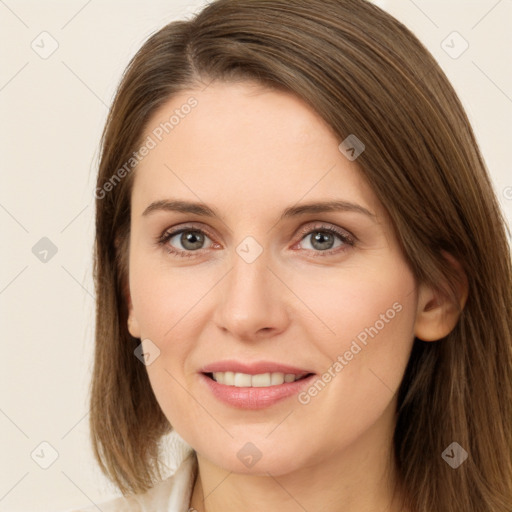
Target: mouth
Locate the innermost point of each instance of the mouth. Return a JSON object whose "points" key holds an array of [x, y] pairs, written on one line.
{"points": [[254, 391], [260, 380], [254, 384]]}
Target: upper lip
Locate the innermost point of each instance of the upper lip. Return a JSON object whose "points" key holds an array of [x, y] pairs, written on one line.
{"points": [[254, 368]]}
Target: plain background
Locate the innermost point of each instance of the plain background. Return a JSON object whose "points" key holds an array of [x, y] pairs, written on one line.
{"points": [[53, 110]]}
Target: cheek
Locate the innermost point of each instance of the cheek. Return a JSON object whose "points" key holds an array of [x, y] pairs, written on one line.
{"points": [[361, 302], [372, 316], [163, 297], [162, 302], [364, 329]]}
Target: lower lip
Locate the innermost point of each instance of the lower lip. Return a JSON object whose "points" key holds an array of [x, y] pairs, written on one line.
{"points": [[255, 398]]}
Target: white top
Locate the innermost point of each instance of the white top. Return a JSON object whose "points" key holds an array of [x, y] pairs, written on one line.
{"points": [[170, 495]]}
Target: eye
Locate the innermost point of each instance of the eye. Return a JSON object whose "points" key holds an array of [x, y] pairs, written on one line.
{"points": [[191, 241], [322, 239]]}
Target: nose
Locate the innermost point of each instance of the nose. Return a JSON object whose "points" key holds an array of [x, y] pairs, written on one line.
{"points": [[252, 301]]}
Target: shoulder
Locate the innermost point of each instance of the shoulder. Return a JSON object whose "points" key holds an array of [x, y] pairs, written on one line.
{"points": [[171, 494]]}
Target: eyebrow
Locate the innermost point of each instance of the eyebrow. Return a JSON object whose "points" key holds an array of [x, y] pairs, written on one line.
{"points": [[171, 205]]}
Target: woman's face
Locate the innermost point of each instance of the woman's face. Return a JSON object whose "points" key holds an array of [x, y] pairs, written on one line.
{"points": [[261, 277]]}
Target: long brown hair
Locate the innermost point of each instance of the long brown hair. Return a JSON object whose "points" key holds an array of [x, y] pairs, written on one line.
{"points": [[366, 74]]}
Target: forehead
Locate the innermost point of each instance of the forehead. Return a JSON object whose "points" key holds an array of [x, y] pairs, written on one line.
{"points": [[241, 144]]}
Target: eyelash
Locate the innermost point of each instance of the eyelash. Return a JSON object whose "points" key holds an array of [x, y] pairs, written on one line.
{"points": [[348, 240]]}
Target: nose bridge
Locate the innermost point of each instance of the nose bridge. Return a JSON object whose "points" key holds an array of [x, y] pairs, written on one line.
{"points": [[250, 272], [252, 299]]}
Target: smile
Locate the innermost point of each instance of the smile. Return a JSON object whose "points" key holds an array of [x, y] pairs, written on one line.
{"points": [[245, 380], [254, 391]]}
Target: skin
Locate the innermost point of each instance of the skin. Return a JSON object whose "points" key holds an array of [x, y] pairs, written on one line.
{"points": [[249, 153]]}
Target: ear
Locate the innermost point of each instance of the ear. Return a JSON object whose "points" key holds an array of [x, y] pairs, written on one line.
{"points": [[438, 312], [133, 325]]}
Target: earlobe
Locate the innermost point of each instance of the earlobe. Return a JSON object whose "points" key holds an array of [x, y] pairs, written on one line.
{"points": [[133, 325], [120, 244], [438, 312]]}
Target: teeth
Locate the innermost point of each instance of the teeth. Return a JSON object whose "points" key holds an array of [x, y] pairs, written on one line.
{"points": [[244, 380]]}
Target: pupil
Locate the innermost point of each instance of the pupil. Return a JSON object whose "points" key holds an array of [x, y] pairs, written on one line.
{"points": [[192, 240], [322, 239]]}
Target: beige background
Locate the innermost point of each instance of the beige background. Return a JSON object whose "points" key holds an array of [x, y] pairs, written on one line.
{"points": [[52, 112]]}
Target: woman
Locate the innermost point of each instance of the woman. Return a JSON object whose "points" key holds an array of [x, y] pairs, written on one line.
{"points": [[301, 269]]}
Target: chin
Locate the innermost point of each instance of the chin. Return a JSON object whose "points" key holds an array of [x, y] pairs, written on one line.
{"points": [[257, 458]]}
